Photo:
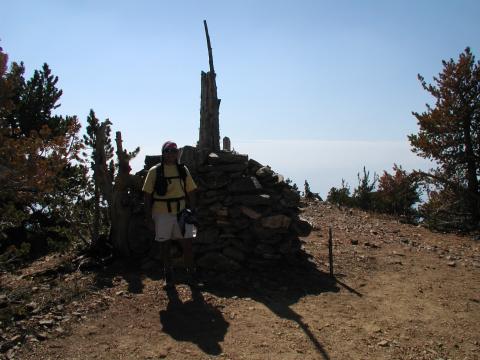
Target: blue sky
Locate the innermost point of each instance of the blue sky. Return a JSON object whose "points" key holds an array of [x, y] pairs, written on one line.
{"points": [[316, 89]]}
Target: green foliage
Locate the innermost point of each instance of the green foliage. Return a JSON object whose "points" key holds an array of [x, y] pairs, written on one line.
{"points": [[340, 196], [364, 194], [91, 141], [308, 194], [446, 210], [292, 185], [449, 134], [98, 141], [41, 173], [398, 193]]}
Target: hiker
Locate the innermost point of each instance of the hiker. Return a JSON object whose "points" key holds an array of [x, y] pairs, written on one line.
{"points": [[169, 190]]}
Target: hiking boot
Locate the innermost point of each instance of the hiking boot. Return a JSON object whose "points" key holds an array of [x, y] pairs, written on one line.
{"points": [[193, 278]]}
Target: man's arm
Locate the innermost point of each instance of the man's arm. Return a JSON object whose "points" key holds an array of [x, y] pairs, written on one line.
{"points": [[192, 199]]}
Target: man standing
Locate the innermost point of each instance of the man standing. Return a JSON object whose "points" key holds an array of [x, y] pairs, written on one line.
{"points": [[169, 189]]}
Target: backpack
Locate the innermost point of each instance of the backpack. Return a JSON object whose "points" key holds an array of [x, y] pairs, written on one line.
{"points": [[162, 181]]}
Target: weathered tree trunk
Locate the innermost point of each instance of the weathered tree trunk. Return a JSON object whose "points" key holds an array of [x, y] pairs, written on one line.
{"points": [[103, 181], [209, 137], [472, 180], [121, 203], [103, 176]]}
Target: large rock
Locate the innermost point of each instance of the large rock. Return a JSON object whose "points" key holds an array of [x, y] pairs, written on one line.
{"points": [[207, 236], [252, 214], [226, 158], [291, 198], [267, 235], [301, 227], [215, 181], [253, 166], [265, 173], [231, 168], [245, 185], [234, 253], [252, 200], [276, 222]]}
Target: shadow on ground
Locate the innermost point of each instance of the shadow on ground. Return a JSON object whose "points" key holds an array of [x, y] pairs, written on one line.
{"points": [[276, 285], [195, 321]]}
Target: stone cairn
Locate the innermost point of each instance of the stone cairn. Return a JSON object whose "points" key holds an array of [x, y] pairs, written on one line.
{"points": [[247, 213]]}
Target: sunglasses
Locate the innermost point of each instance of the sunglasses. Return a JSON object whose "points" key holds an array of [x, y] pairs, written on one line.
{"points": [[170, 151]]}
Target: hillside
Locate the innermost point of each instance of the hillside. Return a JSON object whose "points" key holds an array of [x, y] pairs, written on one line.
{"points": [[402, 292]]}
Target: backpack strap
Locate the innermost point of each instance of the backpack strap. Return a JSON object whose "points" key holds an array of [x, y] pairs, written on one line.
{"points": [[182, 175]]}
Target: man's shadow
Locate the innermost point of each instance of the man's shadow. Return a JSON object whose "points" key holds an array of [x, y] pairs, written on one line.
{"points": [[195, 321]]}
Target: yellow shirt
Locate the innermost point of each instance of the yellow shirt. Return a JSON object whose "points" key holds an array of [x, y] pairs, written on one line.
{"points": [[174, 189]]}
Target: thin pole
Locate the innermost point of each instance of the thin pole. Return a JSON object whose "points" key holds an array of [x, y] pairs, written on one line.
{"points": [[210, 56], [330, 250]]}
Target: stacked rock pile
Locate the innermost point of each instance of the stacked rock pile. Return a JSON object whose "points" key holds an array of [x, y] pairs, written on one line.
{"points": [[247, 213]]}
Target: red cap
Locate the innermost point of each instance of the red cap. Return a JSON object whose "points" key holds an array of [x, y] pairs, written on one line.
{"points": [[169, 145]]}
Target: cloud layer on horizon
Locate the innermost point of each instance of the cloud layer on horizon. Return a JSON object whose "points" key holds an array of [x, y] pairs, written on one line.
{"points": [[323, 163]]}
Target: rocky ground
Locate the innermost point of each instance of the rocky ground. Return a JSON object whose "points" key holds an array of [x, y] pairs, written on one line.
{"points": [[400, 292]]}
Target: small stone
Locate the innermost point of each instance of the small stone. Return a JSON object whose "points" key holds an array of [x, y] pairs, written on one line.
{"points": [[119, 293], [354, 242], [15, 338], [10, 355], [46, 322], [452, 263], [31, 338], [383, 343], [32, 305], [42, 336]]}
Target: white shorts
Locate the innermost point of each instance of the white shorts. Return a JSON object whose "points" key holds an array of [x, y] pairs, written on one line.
{"points": [[166, 228]]}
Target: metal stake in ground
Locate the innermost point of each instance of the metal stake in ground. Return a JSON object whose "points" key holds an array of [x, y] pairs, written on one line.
{"points": [[330, 250]]}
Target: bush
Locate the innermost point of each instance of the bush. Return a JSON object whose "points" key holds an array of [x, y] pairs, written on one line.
{"points": [[398, 193], [340, 196], [364, 194]]}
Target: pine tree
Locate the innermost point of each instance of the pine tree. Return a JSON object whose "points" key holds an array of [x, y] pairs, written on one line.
{"points": [[99, 141], [39, 152], [363, 195], [449, 131]]}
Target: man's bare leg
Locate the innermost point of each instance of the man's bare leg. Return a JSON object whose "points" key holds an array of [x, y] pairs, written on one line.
{"points": [[167, 263], [188, 253]]}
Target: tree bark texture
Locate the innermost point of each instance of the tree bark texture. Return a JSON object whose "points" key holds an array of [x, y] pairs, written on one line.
{"points": [[103, 182], [472, 180], [209, 137]]}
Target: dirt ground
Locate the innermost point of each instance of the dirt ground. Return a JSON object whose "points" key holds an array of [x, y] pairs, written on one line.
{"points": [[400, 292]]}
